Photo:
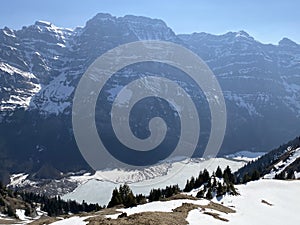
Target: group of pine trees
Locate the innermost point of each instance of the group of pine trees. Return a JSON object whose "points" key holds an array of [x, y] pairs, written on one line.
{"points": [[251, 176], [159, 194], [217, 184], [285, 175], [124, 196]]}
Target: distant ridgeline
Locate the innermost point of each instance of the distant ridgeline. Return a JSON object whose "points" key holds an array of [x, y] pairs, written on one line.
{"points": [[280, 163]]}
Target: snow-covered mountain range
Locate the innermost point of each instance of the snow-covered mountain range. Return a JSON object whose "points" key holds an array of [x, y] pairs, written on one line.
{"points": [[40, 66]]}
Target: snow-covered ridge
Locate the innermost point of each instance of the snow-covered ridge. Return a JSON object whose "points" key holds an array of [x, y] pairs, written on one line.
{"points": [[279, 167]]}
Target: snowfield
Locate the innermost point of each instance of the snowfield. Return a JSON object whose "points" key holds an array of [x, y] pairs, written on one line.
{"points": [[246, 155], [162, 206], [76, 220], [268, 202], [97, 188]]}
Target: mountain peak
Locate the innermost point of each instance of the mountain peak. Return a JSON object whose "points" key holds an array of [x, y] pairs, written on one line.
{"points": [[101, 17], [239, 35], [143, 28], [143, 19], [43, 23], [287, 42], [243, 34]]}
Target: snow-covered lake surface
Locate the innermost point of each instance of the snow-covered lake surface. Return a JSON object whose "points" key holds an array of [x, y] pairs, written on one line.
{"points": [[97, 188], [246, 155]]}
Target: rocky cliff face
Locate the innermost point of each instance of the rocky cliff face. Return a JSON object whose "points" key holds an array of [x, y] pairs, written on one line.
{"points": [[40, 66]]}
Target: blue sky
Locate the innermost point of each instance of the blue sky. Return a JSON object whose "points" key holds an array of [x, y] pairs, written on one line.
{"points": [[268, 21]]}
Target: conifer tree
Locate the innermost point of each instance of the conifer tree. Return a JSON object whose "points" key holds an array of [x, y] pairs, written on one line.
{"points": [[206, 176], [228, 176], [220, 190], [219, 172], [200, 194], [255, 175], [130, 200], [115, 199], [209, 194]]}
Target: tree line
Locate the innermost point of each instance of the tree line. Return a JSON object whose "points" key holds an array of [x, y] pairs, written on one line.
{"points": [[217, 184]]}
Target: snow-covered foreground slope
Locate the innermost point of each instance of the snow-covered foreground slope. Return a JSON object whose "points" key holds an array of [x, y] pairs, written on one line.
{"points": [[98, 188], [268, 202], [162, 206], [76, 220]]}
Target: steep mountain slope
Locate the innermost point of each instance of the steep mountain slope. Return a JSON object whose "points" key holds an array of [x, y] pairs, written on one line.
{"points": [[260, 83], [280, 163], [40, 66]]}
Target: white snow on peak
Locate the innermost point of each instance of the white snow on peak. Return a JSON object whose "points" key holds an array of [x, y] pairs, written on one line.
{"points": [[242, 34], [43, 23], [61, 34], [9, 32]]}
